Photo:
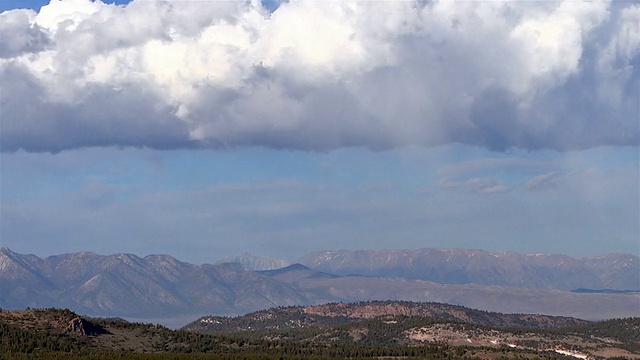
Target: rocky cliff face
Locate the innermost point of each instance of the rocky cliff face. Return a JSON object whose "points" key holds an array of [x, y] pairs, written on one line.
{"points": [[81, 327], [52, 322]]}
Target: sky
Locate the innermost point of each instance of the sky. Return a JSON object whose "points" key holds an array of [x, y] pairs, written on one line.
{"points": [[205, 129]]}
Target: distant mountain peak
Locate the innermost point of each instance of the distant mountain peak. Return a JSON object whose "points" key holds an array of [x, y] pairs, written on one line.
{"points": [[297, 266], [255, 262], [6, 251]]}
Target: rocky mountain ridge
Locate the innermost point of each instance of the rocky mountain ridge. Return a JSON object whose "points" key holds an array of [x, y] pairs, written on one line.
{"points": [[127, 285]]}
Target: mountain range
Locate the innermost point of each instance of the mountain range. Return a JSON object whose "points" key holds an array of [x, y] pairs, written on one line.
{"points": [[127, 285], [160, 287], [463, 266]]}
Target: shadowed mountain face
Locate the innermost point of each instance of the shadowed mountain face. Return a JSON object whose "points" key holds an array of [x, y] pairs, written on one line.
{"points": [[254, 262], [462, 266], [160, 287]]}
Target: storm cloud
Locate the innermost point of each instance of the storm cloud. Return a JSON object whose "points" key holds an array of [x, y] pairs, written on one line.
{"points": [[319, 76]]}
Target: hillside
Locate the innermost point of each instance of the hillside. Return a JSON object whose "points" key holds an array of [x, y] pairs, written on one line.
{"points": [[52, 333], [414, 324], [339, 313], [44, 334]]}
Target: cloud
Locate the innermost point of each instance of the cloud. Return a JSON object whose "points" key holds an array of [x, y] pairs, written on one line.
{"points": [[483, 165], [20, 34], [543, 182], [100, 116], [320, 75], [476, 185], [486, 186]]}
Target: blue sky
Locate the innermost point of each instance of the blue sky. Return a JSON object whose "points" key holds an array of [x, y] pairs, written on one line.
{"points": [[6, 5], [207, 129]]}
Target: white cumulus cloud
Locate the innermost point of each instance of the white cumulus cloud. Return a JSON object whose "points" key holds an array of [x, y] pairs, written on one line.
{"points": [[320, 75]]}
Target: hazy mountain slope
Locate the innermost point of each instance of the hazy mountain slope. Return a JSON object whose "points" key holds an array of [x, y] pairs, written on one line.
{"points": [[490, 298], [255, 262], [462, 266], [617, 271], [297, 272], [231, 288], [21, 282], [116, 284]]}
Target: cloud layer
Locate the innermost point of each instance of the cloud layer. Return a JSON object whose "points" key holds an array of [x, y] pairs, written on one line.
{"points": [[320, 75]]}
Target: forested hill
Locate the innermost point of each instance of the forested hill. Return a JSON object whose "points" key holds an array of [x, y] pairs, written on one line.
{"points": [[338, 313], [62, 334]]}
